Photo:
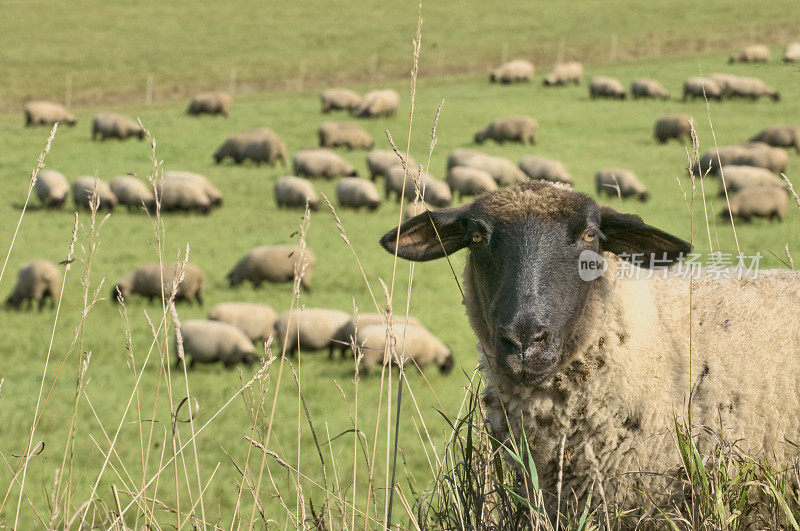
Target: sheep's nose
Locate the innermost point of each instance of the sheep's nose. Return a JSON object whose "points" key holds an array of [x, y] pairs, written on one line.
{"points": [[524, 335]]}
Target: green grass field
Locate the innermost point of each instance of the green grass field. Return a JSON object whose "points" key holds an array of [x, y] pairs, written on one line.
{"points": [[586, 135]]}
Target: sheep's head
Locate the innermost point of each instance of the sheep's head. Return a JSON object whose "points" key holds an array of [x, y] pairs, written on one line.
{"points": [[523, 290]]}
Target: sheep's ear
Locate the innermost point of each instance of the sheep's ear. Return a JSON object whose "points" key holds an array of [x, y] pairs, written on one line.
{"points": [[631, 238], [419, 241]]}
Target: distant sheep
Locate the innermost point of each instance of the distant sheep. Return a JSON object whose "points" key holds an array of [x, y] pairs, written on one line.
{"points": [[255, 320], [295, 192], [146, 281], [751, 88], [541, 168], [564, 74], [617, 182], [36, 282], [347, 134], [518, 70], [606, 87], [380, 160], [785, 136], [757, 202], [414, 208], [414, 345], [259, 145], [47, 113], [212, 192], [792, 53], [724, 81], [321, 163], [435, 192], [699, 87], [648, 88], [133, 193], [212, 342], [109, 125], [356, 193], [51, 188], [275, 264], [503, 171], [677, 126], [510, 129], [756, 53], [84, 189], [752, 154], [737, 178], [182, 195], [469, 181], [343, 338], [211, 103], [339, 100], [309, 329], [378, 103]]}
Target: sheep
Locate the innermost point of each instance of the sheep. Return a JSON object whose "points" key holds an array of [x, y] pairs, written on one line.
{"points": [[737, 178], [414, 345], [211, 103], [47, 113], [346, 334], [701, 87], [316, 163], [751, 88], [564, 74], [755, 53], [378, 103], [414, 208], [518, 70], [512, 129], [648, 88], [295, 192], [792, 53], [259, 145], [51, 188], [109, 125], [542, 168], [213, 341], [353, 192], [380, 160], [255, 320], [133, 193], [757, 201], [182, 195], [146, 281], [339, 100], [603, 363], [677, 126], [347, 134], [434, 191], [84, 189], [308, 329], [503, 171], [36, 281], [606, 87], [785, 136], [763, 156], [724, 82], [619, 183], [469, 181], [212, 192], [274, 263], [462, 156]]}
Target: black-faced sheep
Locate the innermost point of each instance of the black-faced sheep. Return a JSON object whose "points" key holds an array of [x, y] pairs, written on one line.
{"points": [[295, 192], [677, 126], [617, 182], [648, 88], [211, 103], [347, 134], [36, 282], [85, 188], [378, 103], [51, 188], [510, 129], [339, 100], [148, 280], [46, 113], [469, 181], [255, 320], [518, 70], [274, 263], [309, 329], [757, 202], [259, 145], [606, 87], [413, 345], [433, 191], [321, 163], [564, 74], [356, 193], [380, 160], [786, 136], [213, 342], [755, 53], [542, 168], [701, 87], [737, 178], [109, 125], [751, 88], [133, 193]]}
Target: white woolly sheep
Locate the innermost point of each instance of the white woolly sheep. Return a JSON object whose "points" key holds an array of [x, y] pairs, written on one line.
{"points": [[259, 145], [345, 336], [36, 281], [213, 342], [51, 188], [617, 182], [339, 100], [757, 202], [518, 70], [648, 88], [378, 103], [182, 195], [84, 189], [356, 193], [786, 136], [274, 263], [700, 87], [755, 53], [380, 160], [503, 171], [413, 345], [146, 281], [295, 192], [133, 193], [564, 74], [347, 134], [677, 126], [211, 103], [255, 320], [212, 192], [606, 87], [737, 178], [469, 181], [415, 208], [316, 163], [792, 53], [110, 125], [47, 113], [434, 191], [542, 168], [751, 88], [510, 129], [309, 329]]}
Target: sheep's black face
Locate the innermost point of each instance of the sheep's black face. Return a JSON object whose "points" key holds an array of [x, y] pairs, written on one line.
{"points": [[524, 293]]}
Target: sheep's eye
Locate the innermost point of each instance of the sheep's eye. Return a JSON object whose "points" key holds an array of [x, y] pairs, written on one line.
{"points": [[476, 237], [589, 235]]}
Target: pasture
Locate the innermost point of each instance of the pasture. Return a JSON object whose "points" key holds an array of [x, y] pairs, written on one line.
{"points": [[585, 134]]}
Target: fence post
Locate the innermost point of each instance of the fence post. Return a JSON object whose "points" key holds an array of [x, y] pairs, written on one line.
{"points": [[232, 84], [148, 97], [68, 94]]}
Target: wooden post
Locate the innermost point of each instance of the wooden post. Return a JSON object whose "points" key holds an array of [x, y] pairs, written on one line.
{"points": [[232, 84], [614, 42], [148, 97], [68, 95]]}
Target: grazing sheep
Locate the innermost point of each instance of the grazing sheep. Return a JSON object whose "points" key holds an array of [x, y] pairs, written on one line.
{"points": [[353, 192], [724, 82], [295, 192], [308, 329], [339, 100], [792, 53], [347, 134], [751, 88], [378, 103], [786, 136], [380, 160], [51, 188], [757, 202], [36, 281], [617, 182], [146, 281], [182, 195], [84, 188], [677, 126], [434, 191], [211, 103], [212, 342], [461, 157], [110, 125], [346, 334], [133, 193], [648, 88], [414, 345], [606, 87], [469, 181], [515, 71], [512, 129], [255, 320], [737, 178], [755, 53], [503, 171], [274, 263], [564, 74], [701, 87], [316, 163], [542, 168], [415, 208], [596, 370], [763, 156], [259, 145], [47, 113], [212, 192]]}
